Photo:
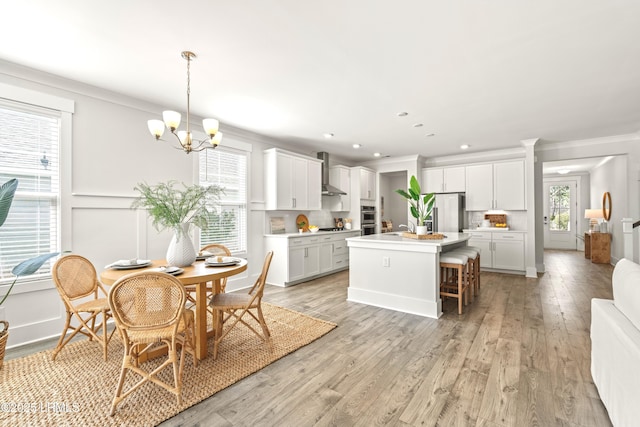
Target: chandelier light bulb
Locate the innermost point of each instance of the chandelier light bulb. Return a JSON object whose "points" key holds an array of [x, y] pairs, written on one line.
{"points": [[215, 141], [171, 119], [156, 127], [184, 137], [210, 127]]}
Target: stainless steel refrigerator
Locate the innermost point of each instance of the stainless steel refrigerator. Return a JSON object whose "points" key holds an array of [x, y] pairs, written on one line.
{"points": [[449, 213]]}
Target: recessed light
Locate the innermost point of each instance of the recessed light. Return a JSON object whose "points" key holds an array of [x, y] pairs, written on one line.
{"points": [[328, 135], [356, 146], [429, 135], [377, 154], [402, 114], [564, 171], [417, 125], [464, 146]]}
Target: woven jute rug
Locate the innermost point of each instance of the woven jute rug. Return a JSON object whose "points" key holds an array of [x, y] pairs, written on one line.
{"points": [[78, 388]]}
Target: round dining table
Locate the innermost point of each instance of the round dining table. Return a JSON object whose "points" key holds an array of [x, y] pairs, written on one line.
{"points": [[198, 274]]}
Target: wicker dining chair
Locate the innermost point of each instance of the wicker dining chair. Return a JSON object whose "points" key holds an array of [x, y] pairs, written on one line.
{"points": [[149, 311], [75, 279], [214, 249], [232, 303]]}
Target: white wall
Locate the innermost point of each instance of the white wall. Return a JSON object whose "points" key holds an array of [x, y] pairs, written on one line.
{"points": [[395, 207], [611, 177], [111, 151]]}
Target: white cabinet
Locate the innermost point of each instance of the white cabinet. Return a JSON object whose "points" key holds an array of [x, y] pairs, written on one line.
{"points": [[499, 250], [341, 253], [443, 180], [508, 251], [326, 253], [302, 257], [495, 186], [314, 185], [292, 182], [509, 185], [367, 184], [299, 182], [296, 264], [339, 177]]}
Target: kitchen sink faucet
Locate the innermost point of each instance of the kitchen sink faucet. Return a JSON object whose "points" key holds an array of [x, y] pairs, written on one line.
{"points": [[408, 227]]}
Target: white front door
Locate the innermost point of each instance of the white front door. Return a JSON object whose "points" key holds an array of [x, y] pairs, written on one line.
{"points": [[560, 226]]}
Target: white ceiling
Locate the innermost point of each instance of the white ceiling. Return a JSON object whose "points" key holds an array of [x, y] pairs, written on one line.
{"points": [[574, 166], [484, 73]]}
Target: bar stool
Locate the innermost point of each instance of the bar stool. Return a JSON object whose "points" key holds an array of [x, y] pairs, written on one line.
{"points": [[473, 267], [456, 285], [478, 251]]}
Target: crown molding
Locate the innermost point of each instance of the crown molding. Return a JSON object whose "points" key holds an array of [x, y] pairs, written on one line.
{"points": [[478, 157], [578, 143]]}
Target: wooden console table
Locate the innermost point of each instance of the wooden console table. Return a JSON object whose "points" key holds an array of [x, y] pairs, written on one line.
{"points": [[597, 247]]}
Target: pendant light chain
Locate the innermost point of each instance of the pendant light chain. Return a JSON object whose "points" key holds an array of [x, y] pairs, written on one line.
{"points": [[171, 119], [188, 138]]}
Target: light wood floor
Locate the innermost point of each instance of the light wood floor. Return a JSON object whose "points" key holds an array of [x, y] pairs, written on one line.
{"points": [[518, 356]]}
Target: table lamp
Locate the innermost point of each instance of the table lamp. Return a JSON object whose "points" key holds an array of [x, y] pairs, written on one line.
{"points": [[593, 215]]}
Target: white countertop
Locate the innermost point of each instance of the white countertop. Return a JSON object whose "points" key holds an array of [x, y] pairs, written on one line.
{"points": [[309, 234], [450, 239]]}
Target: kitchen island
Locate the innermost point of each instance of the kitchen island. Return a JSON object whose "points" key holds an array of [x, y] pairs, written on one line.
{"points": [[399, 273]]}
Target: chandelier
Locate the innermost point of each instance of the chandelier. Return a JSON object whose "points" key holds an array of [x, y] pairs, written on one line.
{"points": [[171, 119]]}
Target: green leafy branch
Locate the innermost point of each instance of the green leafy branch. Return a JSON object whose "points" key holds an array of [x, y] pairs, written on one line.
{"points": [[169, 206]]}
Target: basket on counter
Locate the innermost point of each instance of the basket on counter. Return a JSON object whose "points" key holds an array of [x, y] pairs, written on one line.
{"points": [[496, 219], [435, 236]]}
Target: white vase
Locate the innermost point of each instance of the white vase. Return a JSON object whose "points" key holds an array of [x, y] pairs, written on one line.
{"points": [[181, 252], [422, 229]]}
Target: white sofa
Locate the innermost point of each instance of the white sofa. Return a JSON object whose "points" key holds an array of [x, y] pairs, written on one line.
{"points": [[615, 346]]}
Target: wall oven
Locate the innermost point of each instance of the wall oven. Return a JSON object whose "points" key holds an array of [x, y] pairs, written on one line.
{"points": [[368, 220]]}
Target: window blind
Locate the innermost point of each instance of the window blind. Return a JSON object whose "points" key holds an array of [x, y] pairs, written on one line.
{"points": [[29, 149], [228, 223]]}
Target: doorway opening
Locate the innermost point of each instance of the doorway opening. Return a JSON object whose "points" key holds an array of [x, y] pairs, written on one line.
{"points": [[393, 208]]}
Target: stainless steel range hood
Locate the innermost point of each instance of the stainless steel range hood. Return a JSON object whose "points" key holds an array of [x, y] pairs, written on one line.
{"points": [[327, 189]]}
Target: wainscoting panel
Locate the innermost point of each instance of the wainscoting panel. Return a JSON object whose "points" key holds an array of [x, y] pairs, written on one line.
{"points": [[113, 232], [34, 316]]}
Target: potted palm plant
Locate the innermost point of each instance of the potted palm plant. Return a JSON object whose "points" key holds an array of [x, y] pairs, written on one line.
{"points": [[421, 205], [174, 208], [25, 268]]}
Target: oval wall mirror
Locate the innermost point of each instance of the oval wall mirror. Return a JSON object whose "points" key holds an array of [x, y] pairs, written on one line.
{"points": [[606, 206]]}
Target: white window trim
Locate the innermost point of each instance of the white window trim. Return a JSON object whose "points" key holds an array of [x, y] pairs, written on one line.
{"points": [[66, 108], [235, 145]]}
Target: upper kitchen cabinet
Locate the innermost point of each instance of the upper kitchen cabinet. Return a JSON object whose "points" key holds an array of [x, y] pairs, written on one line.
{"points": [[509, 186], [367, 183], [339, 177], [495, 186], [292, 181], [443, 180], [314, 187]]}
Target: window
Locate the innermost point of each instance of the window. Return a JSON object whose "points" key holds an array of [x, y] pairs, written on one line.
{"points": [[228, 225], [559, 202], [29, 146]]}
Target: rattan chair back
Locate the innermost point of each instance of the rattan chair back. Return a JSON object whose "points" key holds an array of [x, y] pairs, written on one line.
{"points": [[258, 287], [148, 300], [216, 249], [75, 277]]}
